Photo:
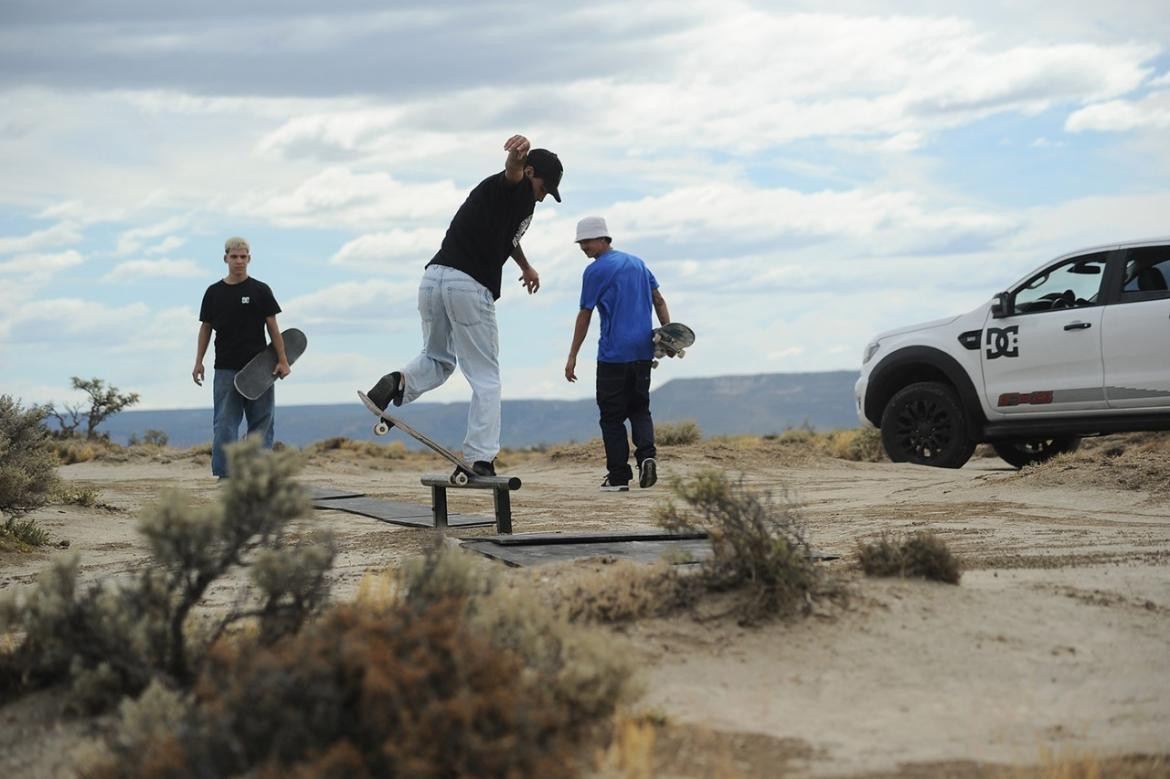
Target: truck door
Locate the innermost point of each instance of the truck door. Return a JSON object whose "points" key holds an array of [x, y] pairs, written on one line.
{"points": [[1135, 338], [1045, 357]]}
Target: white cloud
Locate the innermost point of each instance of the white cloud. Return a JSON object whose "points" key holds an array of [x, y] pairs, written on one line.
{"points": [[168, 244], [377, 252], [151, 270], [338, 197], [366, 307], [42, 265], [62, 321], [134, 239], [887, 221], [1150, 112], [60, 233]]}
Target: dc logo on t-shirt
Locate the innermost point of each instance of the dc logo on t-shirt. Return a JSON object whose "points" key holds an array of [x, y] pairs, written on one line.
{"points": [[520, 230], [245, 300]]}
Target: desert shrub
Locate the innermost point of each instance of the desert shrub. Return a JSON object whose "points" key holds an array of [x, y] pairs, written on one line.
{"points": [[677, 433], [759, 544], [391, 693], [440, 673], [863, 444], [69, 494], [74, 450], [27, 466], [20, 535], [587, 675], [921, 554], [394, 450], [155, 438], [627, 591], [112, 638]]}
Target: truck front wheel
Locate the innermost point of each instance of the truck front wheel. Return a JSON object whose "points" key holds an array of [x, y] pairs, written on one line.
{"points": [[924, 423]]}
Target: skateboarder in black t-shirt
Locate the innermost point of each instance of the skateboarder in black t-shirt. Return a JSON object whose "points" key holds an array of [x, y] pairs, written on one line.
{"points": [[456, 299], [238, 308]]}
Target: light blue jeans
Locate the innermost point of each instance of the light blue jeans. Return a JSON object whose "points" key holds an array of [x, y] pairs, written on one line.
{"points": [[459, 328], [230, 407]]}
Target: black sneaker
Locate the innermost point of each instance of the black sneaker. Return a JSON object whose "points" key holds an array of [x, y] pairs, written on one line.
{"points": [[388, 390], [479, 468], [647, 472], [606, 486]]}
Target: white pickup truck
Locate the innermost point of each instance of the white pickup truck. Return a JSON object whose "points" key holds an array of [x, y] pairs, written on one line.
{"points": [[1078, 347]]}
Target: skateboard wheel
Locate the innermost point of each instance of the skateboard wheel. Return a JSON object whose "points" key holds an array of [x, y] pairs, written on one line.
{"points": [[381, 428], [654, 363], [682, 353], [460, 479]]}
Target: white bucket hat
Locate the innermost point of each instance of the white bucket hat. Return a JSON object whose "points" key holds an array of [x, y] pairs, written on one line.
{"points": [[592, 227]]}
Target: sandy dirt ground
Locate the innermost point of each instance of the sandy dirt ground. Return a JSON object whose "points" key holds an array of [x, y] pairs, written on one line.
{"points": [[1056, 643]]}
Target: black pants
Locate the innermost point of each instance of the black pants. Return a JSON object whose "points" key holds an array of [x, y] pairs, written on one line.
{"points": [[623, 392]]}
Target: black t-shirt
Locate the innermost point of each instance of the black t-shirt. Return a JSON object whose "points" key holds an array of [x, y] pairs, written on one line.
{"points": [[237, 312], [486, 228]]}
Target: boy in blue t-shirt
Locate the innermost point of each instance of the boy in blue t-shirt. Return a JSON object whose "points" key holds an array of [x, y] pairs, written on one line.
{"points": [[625, 290]]}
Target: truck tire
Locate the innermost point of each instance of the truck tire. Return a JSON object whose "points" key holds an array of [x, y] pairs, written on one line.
{"points": [[924, 423], [1033, 451]]}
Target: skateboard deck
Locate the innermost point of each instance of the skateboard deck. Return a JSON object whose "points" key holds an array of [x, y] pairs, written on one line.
{"points": [[385, 422], [254, 379], [672, 340]]}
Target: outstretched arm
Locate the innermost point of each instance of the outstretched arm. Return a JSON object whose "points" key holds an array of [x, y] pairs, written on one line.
{"points": [[660, 308], [517, 147], [579, 331], [528, 275], [282, 368]]}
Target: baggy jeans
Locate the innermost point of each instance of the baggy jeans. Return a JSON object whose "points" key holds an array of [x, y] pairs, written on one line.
{"points": [[230, 407], [459, 328], [623, 392]]}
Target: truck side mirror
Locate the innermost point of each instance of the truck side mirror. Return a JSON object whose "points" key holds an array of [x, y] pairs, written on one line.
{"points": [[1003, 305]]}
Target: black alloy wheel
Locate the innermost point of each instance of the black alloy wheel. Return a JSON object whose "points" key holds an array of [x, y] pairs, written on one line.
{"points": [[924, 423]]}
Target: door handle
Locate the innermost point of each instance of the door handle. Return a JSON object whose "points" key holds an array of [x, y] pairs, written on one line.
{"points": [[1078, 325]]}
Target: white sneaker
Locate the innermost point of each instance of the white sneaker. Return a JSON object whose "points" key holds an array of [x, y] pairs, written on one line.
{"points": [[607, 487]]}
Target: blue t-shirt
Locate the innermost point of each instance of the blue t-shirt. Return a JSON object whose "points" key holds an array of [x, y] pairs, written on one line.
{"points": [[621, 286]]}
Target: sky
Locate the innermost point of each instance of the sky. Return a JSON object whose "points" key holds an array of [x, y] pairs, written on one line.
{"points": [[798, 176]]}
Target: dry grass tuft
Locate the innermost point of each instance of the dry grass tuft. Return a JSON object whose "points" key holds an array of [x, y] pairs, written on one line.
{"points": [[624, 591], [1134, 461], [392, 450], [919, 555], [677, 433]]}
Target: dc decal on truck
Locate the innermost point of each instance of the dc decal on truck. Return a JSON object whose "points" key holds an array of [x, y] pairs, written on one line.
{"points": [[1003, 342]]}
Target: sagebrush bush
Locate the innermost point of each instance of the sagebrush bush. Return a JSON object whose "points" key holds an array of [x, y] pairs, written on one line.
{"points": [[69, 494], [394, 450], [677, 433], [921, 554], [27, 466], [627, 590], [111, 638], [21, 535], [436, 671], [759, 544], [863, 444]]}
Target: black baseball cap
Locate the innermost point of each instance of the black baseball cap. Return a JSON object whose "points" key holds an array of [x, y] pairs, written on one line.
{"points": [[548, 167]]}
